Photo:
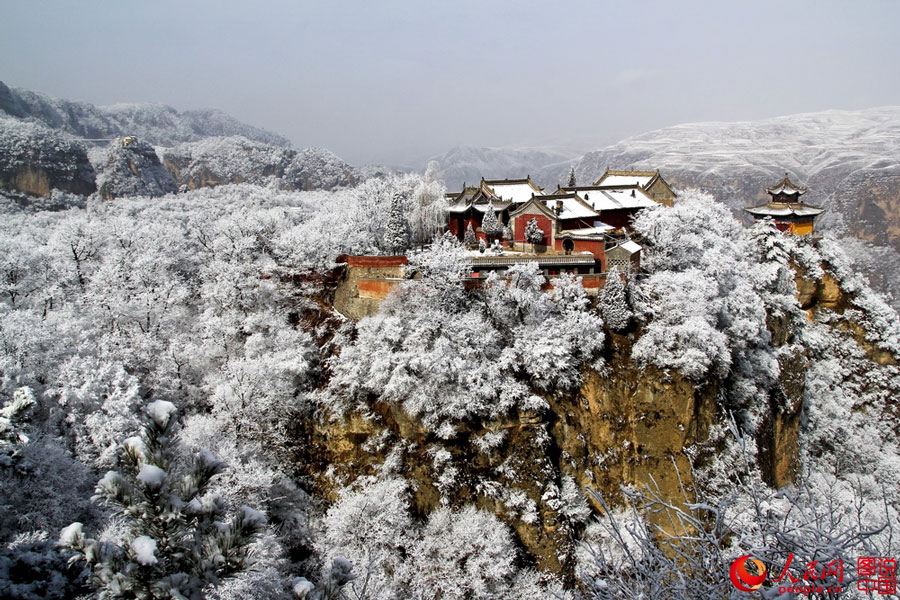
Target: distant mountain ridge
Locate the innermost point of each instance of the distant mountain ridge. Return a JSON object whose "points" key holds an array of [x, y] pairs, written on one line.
{"points": [[157, 124], [468, 164], [849, 160], [41, 150]]}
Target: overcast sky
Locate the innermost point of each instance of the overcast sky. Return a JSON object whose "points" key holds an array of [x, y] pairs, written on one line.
{"points": [[396, 82]]}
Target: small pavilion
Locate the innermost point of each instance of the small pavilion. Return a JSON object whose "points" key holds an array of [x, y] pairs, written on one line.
{"points": [[786, 209]]}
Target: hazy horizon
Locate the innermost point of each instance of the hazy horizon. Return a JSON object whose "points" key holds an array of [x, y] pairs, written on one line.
{"points": [[395, 83]]}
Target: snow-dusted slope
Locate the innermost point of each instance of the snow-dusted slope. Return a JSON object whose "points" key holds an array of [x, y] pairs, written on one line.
{"points": [[850, 160], [155, 123], [221, 160], [466, 164]]}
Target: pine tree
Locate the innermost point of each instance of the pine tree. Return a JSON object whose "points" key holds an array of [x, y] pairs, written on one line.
{"points": [[469, 241], [572, 177], [533, 232], [489, 224], [613, 303], [396, 239], [180, 537]]}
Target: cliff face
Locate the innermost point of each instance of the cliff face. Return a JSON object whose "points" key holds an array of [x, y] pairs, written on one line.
{"points": [[133, 169], [35, 160], [621, 427]]}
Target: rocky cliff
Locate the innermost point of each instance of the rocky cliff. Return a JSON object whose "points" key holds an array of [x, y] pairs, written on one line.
{"points": [[155, 123], [132, 168], [625, 425], [35, 160]]}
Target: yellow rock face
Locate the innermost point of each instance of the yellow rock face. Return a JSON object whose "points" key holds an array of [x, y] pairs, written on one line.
{"points": [[627, 427]]}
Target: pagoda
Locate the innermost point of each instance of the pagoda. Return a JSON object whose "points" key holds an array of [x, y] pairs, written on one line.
{"points": [[786, 209]]}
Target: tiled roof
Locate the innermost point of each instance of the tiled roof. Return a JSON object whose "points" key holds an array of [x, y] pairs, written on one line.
{"points": [[785, 209], [786, 186]]}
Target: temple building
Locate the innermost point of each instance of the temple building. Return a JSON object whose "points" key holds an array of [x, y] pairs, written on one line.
{"points": [[468, 207], [577, 225], [650, 182], [789, 213], [570, 225], [614, 206]]}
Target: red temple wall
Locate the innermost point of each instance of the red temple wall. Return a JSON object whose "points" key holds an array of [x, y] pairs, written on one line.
{"points": [[521, 222]]}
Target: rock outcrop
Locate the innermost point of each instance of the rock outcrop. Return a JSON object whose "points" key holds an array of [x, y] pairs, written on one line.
{"points": [[132, 168], [219, 161], [621, 427], [155, 123], [35, 160]]}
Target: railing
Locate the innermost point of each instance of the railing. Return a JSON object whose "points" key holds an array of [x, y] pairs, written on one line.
{"points": [[557, 259]]}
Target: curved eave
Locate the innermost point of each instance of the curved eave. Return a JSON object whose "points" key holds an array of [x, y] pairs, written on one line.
{"points": [[764, 211]]}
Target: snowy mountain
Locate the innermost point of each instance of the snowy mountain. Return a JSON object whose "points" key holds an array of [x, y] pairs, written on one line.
{"points": [[40, 150], [468, 164], [222, 160], [849, 160], [155, 123]]}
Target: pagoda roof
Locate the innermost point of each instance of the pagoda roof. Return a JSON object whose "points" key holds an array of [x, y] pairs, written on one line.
{"points": [[478, 204], [479, 197], [785, 209], [786, 187]]}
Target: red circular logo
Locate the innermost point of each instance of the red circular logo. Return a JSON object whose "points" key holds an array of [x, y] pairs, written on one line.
{"points": [[744, 580]]}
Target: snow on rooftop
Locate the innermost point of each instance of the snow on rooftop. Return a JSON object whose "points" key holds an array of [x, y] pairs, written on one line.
{"points": [[602, 199], [778, 209], [572, 208], [585, 231], [623, 180], [630, 246], [517, 193]]}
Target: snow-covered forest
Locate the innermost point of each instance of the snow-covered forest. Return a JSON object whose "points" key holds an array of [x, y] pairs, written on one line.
{"points": [[173, 379]]}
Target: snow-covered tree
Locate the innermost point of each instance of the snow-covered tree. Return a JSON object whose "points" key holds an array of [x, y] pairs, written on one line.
{"points": [[613, 302], [533, 232], [13, 416], [470, 240], [428, 214], [509, 339], [180, 539], [455, 554], [489, 223], [704, 311], [397, 236], [572, 177]]}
